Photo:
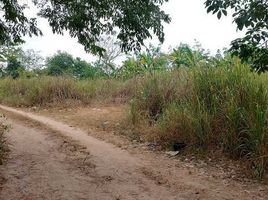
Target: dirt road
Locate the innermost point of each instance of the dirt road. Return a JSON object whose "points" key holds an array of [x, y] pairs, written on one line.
{"points": [[51, 160]]}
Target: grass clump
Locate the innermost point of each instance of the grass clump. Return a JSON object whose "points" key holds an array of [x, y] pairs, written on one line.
{"points": [[209, 108], [3, 143], [158, 90]]}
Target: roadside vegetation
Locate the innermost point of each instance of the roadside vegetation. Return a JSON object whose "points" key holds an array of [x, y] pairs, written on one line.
{"points": [[210, 103], [3, 143]]}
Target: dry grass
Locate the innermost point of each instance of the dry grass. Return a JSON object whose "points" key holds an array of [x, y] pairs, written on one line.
{"points": [[208, 108], [3, 143], [48, 90]]}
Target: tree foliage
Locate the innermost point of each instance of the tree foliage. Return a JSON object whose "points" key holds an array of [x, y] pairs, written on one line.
{"points": [[15, 62], [63, 63], [14, 24], [87, 20], [251, 15], [187, 56]]}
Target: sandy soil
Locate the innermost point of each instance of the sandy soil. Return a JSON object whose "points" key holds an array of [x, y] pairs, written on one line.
{"points": [[52, 160]]}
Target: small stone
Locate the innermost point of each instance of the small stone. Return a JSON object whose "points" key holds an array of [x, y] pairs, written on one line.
{"points": [[172, 153]]}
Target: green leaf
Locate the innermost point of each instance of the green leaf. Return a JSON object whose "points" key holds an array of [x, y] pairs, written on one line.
{"points": [[224, 12], [210, 8], [219, 15]]}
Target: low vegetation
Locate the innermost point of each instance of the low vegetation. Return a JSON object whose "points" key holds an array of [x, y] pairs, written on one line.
{"points": [[3, 143], [211, 103], [48, 90], [208, 108]]}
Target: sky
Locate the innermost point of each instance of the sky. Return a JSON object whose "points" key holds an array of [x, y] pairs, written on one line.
{"points": [[190, 22]]}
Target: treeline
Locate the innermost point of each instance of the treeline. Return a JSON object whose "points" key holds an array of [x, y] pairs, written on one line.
{"points": [[17, 63]]}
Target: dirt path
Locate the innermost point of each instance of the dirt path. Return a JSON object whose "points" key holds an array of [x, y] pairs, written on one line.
{"points": [[63, 162]]}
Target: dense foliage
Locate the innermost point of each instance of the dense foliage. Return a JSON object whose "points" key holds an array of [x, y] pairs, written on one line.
{"points": [[16, 63], [63, 63], [136, 20], [251, 15]]}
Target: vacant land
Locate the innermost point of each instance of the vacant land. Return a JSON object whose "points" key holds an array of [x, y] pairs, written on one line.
{"points": [[53, 160], [188, 133], [206, 109]]}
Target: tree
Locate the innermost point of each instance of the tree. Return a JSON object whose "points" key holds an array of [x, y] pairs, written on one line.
{"points": [[251, 15], [9, 61], [31, 60], [59, 63], [84, 70], [7, 52], [187, 56], [149, 61], [63, 63], [112, 52], [87, 20], [13, 68]]}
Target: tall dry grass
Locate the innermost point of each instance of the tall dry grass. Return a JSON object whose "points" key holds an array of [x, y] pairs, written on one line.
{"points": [[46, 90], [222, 108], [3, 143]]}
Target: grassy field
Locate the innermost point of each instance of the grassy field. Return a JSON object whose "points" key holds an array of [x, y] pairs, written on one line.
{"points": [[46, 90], [206, 108]]}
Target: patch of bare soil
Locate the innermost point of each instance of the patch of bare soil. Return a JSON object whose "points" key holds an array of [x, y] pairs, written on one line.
{"points": [[101, 121], [64, 162]]}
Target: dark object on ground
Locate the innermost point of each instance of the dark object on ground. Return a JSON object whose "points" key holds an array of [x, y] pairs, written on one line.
{"points": [[178, 146]]}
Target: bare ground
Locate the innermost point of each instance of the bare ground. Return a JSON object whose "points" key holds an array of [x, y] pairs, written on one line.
{"points": [[52, 160]]}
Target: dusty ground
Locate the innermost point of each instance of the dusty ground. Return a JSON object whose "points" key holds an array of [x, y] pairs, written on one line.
{"points": [[53, 160], [102, 121]]}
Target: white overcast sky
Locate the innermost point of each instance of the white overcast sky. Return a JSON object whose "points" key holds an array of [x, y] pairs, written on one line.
{"points": [[189, 22]]}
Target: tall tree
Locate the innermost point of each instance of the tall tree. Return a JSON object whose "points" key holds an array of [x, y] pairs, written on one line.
{"points": [[107, 60], [28, 59], [251, 15], [59, 63], [87, 20]]}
